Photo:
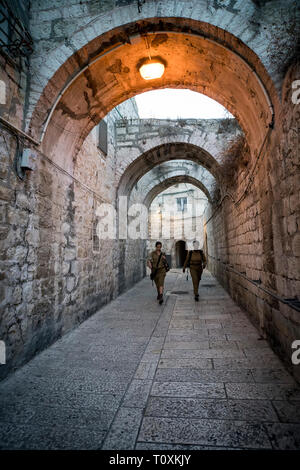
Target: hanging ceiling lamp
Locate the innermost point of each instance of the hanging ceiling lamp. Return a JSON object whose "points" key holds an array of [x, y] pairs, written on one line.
{"points": [[151, 68]]}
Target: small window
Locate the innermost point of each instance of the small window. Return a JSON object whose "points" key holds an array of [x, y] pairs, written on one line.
{"points": [[102, 143], [181, 204]]}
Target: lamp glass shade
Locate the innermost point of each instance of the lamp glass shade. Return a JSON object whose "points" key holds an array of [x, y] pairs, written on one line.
{"points": [[152, 70]]}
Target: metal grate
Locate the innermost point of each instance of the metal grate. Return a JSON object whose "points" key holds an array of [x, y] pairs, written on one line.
{"points": [[15, 40]]}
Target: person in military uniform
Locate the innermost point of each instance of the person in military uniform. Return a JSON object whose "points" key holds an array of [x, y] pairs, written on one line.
{"points": [[196, 261], [157, 262]]}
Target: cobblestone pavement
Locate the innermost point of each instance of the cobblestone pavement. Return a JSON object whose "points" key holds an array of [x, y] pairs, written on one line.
{"points": [[137, 375]]}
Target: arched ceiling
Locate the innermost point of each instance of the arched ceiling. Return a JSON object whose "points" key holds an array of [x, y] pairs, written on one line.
{"points": [[214, 64], [168, 182], [142, 135], [183, 170], [166, 153]]}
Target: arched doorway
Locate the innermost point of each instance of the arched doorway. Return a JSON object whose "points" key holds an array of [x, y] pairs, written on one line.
{"points": [[180, 253]]}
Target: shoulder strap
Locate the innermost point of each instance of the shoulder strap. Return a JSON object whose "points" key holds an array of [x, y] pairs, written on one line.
{"points": [[158, 259]]}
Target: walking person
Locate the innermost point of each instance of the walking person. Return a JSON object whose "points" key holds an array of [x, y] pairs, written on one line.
{"points": [[196, 261], [157, 262]]}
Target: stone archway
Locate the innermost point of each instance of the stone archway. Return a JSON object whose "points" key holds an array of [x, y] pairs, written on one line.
{"points": [[168, 182], [166, 153], [65, 114], [169, 173]]}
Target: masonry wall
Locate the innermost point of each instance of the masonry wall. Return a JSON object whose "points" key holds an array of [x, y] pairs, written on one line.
{"points": [[136, 136], [259, 237], [180, 224], [53, 274]]}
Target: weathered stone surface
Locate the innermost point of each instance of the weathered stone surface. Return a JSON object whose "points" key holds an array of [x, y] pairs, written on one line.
{"points": [[203, 375], [207, 432], [188, 389], [249, 410], [123, 432]]}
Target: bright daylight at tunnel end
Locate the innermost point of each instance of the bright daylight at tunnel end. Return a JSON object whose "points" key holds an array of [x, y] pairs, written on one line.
{"points": [[150, 227]]}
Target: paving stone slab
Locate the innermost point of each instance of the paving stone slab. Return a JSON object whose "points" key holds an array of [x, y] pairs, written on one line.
{"points": [[238, 329], [151, 357], [284, 436], [202, 353], [201, 344], [217, 334], [248, 410], [29, 437], [63, 398], [137, 394], [200, 324], [263, 391], [203, 376], [188, 389], [252, 344], [202, 363], [272, 376], [180, 324], [222, 344], [260, 354], [56, 416], [288, 411], [246, 363], [124, 430], [186, 447], [115, 364], [109, 385], [204, 333], [15, 413], [192, 336], [145, 370], [204, 432]]}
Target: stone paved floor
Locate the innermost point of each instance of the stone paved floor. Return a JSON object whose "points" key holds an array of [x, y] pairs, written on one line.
{"points": [[137, 375]]}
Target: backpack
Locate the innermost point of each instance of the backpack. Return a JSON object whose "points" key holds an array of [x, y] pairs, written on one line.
{"points": [[190, 256]]}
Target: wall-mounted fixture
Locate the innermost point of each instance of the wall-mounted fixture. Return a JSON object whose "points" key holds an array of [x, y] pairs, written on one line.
{"points": [[28, 159], [152, 69]]}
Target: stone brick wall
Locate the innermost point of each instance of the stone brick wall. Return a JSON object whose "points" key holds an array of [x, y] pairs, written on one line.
{"points": [[156, 179], [259, 237], [138, 136], [51, 276], [179, 223]]}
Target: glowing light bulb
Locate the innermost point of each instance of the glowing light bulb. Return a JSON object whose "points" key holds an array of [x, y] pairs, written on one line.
{"points": [[152, 69]]}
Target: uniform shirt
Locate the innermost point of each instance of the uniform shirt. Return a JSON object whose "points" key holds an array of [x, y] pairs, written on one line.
{"points": [[196, 259], [154, 258]]}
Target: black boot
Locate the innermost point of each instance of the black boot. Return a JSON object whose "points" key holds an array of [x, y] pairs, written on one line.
{"points": [[160, 298], [197, 297]]}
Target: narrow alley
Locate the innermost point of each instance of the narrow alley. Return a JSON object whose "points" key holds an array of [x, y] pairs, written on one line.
{"points": [[138, 136]]}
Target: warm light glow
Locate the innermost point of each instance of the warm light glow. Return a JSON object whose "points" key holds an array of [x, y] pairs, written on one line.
{"points": [[172, 103], [151, 70]]}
